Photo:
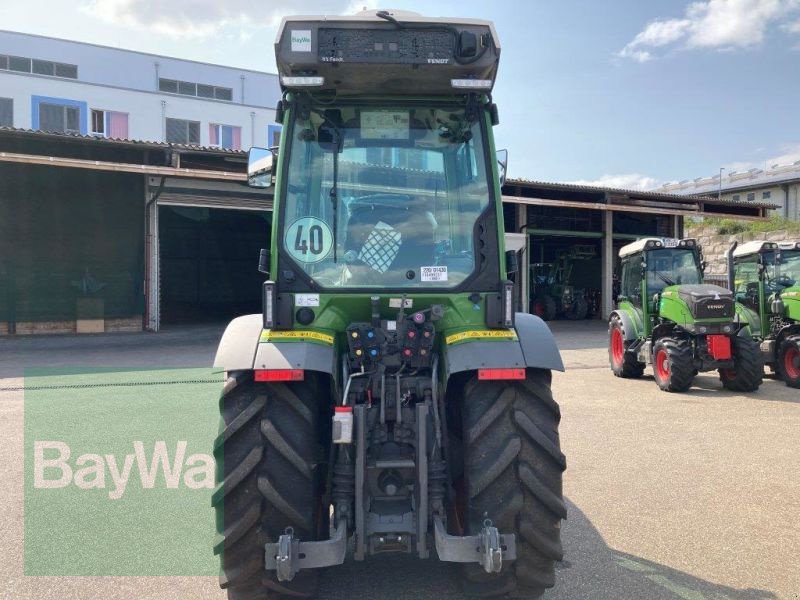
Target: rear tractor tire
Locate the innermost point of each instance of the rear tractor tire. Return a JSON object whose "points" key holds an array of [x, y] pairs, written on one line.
{"points": [[673, 364], [748, 370], [578, 310], [623, 363], [513, 467], [269, 465], [544, 307], [789, 360]]}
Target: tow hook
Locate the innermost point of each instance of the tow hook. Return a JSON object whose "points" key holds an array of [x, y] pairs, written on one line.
{"points": [[489, 548]]}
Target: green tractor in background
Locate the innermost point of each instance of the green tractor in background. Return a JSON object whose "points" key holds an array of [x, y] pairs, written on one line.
{"points": [[561, 288], [765, 277], [388, 399], [668, 318]]}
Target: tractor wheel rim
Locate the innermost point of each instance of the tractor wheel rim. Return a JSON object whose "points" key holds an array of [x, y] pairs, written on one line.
{"points": [[791, 362], [662, 365], [617, 347], [538, 309]]}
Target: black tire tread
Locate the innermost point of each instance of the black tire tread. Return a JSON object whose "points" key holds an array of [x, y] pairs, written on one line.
{"points": [[513, 469], [785, 344], [267, 463], [748, 365], [631, 368], [681, 358]]}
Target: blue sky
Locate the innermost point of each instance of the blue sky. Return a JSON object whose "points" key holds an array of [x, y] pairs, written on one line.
{"points": [[629, 93]]}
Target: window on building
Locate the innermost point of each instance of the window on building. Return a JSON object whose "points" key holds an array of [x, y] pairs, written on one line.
{"points": [[274, 135], [180, 131], [39, 67], [200, 90], [766, 195], [736, 197], [751, 196], [225, 136], [6, 112], [110, 124], [59, 117], [17, 63]]}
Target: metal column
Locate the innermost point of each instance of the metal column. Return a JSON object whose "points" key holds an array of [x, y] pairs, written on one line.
{"points": [[153, 309], [607, 304], [524, 259]]}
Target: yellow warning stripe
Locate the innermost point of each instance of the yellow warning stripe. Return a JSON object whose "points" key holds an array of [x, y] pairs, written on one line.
{"points": [[485, 334], [790, 294], [282, 336]]}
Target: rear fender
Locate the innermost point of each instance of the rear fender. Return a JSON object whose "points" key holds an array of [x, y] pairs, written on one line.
{"points": [[241, 348], [629, 327], [535, 347]]}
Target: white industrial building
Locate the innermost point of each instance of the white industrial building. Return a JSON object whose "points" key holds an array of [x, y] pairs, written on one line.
{"points": [[778, 185], [64, 86]]}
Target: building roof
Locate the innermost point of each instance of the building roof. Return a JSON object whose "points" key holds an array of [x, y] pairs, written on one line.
{"points": [[737, 180], [639, 194], [142, 144]]}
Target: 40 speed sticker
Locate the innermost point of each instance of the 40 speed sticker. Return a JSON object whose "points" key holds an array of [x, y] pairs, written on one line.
{"points": [[308, 240], [295, 336], [486, 334]]}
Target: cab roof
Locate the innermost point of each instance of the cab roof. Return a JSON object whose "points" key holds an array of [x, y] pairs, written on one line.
{"points": [[758, 246], [641, 245]]}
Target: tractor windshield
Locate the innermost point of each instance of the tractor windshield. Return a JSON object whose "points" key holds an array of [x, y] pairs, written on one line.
{"points": [[672, 266], [784, 274], [384, 197]]}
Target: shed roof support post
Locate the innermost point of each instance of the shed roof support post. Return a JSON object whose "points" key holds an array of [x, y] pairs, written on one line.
{"points": [[524, 260], [607, 303], [153, 309]]}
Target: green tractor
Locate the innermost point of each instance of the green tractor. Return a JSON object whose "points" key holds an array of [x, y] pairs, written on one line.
{"points": [[388, 399], [765, 277], [556, 289], [668, 318]]}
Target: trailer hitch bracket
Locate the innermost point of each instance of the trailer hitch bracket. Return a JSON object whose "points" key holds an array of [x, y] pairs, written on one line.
{"points": [[489, 548], [289, 555]]}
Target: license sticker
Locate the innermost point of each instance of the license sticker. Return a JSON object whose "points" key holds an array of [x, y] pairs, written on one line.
{"points": [[433, 273], [308, 240], [306, 300], [301, 40], [670, 243], [395, 303]]}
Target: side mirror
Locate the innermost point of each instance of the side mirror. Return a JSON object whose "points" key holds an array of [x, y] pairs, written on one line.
{"points": [[512, 264], [502, 165], [263, 261], [260, 163]]}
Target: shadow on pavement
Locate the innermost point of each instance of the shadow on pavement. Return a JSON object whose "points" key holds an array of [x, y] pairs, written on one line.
{"points": [[590, 570]]}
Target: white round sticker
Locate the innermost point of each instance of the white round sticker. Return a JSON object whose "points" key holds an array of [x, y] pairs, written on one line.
{"points": [[308, 240]]}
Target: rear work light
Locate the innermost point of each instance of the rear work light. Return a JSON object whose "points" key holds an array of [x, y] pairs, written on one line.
{"points": [[471, 84], [497, 374], [302, 81], [279, 375]]}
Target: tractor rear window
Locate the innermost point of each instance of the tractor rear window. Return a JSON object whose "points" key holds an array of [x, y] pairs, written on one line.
{"points": [[384, 198]]}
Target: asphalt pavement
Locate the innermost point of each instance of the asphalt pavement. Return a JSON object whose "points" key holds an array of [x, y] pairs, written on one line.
{"points": [[693, 496]]}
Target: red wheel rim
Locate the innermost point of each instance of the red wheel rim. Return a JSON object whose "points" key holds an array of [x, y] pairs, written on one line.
{"points": [[662, 365], [791, 362], [617, 347], [538, 309]]}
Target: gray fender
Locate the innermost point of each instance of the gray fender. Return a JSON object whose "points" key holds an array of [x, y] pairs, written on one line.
{"points": [[628, 326], [538, 343], [240, 349], [536, 348]]}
